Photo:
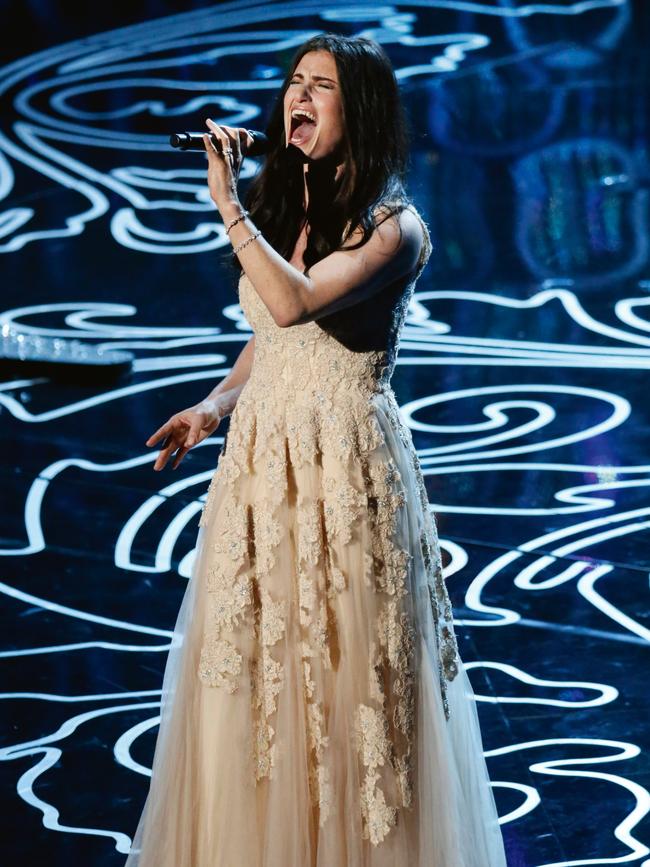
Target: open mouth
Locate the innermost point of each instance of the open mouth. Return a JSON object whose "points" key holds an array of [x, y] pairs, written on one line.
{"points": [[303, 124]]}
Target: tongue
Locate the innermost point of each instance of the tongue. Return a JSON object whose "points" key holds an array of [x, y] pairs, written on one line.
{"points": [[302, 132]]}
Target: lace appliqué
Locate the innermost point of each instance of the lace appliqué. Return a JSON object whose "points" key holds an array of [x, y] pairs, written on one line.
{"points": [[268, 535], [320, 786], [229, 598], [267, 680], [314, 646], [374, 748], [343, 505], [220, 663]]}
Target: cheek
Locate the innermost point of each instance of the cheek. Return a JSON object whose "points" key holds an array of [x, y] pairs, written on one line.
{"points": [[334, 116]]}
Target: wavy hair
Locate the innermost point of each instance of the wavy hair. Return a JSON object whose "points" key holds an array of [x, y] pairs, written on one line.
{"points": [[374, 150]]}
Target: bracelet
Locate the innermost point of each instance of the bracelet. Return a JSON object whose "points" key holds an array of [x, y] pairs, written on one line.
{"points": [[235, 221], [247, 241]]}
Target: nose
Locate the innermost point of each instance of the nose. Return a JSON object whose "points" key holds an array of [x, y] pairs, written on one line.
{"points": [[303, 91]]}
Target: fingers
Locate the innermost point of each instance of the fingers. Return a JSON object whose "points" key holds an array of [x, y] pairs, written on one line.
{"points": [[159, 434], [225, 147], [211, 151], [235, 142], [180, 455], [171, 432], [183, 436], [193, 433], [181, 448], [164, 455], [214, 151], [178, 445], [244, 133]]}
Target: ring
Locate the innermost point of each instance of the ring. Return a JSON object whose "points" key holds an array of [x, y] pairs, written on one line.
{"points": [[226, 150]]}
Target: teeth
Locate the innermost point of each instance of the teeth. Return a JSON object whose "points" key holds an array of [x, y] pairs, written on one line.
{"points": [[301, 111]]}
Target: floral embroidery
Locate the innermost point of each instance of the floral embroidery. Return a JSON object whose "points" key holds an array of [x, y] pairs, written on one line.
{"points": [[323, 788], [319, 632], [373, 736], [302, 435], [310, 537], [343, 506], [268, 534], [276, 475], [307, 597], [319, 782], [220, 663], [339, 581], [232, 540], [272, 618], [378, 817], [374, 747], [270, 675], [267, 680], [229, 598], [396, 635]]}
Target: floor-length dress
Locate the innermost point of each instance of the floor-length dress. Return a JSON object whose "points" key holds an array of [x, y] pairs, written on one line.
{"points": [[315, 711]]}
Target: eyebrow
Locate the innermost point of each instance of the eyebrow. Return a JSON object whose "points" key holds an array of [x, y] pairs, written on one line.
{"points": [[315, 77]]}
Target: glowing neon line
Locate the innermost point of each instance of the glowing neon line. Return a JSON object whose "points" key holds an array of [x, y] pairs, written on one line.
{"points": [[623, 830], [607, 693]]}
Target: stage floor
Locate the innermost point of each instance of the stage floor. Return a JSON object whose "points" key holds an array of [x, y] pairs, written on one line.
{"points": [[523, 373]]}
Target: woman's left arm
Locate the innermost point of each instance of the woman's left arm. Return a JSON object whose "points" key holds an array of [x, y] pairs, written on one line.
{"points": [[341, 279]]}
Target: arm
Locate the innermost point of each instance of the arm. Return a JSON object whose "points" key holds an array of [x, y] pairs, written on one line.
{"points": [[340, 280], [228, 390]]}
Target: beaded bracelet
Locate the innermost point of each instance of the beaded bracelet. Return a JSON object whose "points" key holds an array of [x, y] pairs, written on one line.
{"points": [[235, 221], [247, 241]]}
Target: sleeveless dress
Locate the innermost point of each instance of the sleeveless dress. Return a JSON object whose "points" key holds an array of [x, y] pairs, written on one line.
{"points": [[315, 711]]}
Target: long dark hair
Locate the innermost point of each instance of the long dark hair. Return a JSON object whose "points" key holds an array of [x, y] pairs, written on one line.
{"points": [[374, 149]]}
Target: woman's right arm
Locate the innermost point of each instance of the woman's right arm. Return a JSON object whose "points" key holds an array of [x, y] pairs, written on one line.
{"points": [[192, 425]]}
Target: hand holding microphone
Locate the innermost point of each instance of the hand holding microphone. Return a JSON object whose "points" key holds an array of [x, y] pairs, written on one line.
{"points": [[225, 148]]}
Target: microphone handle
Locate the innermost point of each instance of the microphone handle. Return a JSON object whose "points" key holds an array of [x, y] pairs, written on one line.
{"points": [[193, 141]]}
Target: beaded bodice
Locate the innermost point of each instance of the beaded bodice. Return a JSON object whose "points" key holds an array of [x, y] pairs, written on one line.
{"points": [[351, 351]]}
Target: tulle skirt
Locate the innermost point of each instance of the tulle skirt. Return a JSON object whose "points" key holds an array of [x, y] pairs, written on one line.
{"points": [[307, 719]]}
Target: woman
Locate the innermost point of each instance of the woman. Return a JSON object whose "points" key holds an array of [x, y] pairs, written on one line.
{"points": [[315, 710]]}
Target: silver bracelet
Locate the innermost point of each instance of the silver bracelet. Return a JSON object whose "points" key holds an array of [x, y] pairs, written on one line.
{"points": [[235, 221], [247, 241]]}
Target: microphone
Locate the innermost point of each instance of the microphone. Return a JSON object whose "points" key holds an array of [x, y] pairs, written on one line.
{"points": [[193, 141]]}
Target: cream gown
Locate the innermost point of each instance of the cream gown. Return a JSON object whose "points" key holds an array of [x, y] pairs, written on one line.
{"points": [[315, 711]]}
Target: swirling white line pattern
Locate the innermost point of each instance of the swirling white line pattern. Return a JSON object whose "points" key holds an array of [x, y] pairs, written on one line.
{"points": [[521, 374]]}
